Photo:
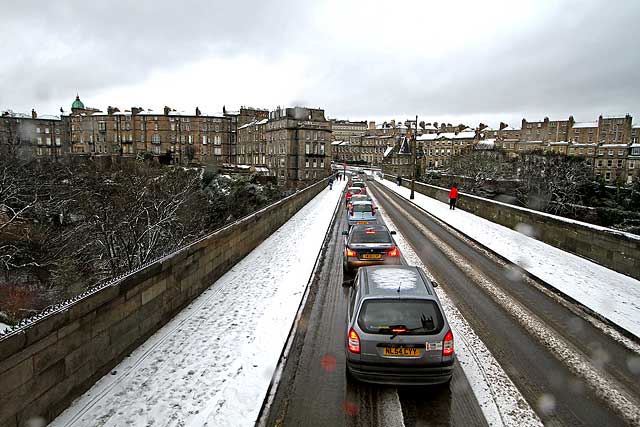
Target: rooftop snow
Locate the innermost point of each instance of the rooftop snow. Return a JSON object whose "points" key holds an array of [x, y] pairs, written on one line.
{"points": [[388, 151], [582, 125]]}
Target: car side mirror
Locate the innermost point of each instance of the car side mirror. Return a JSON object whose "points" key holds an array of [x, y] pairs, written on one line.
{"points": [[393, 233], [434, 284], [348, 283], [345, 233]]}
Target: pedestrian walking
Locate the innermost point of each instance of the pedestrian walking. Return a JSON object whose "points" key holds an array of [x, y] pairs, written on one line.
{"points": [[330, 183], [399, 180], [453, 197]]}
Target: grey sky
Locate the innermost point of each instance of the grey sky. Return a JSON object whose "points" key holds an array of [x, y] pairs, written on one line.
{"points": [[458, 61]]}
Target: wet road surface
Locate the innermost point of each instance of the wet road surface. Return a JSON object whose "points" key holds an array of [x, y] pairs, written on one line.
{"points": [[313, 390]]}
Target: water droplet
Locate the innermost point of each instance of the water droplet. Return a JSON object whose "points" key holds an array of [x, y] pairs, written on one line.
{"points": [[328, 363], [633, 363], [526, 229], [352, 409], [547, 404]]}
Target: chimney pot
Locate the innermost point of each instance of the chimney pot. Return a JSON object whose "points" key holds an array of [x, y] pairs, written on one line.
{"points": [[34, 115]]}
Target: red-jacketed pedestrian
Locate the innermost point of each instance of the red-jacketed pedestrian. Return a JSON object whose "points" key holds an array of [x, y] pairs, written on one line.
{"points": [[453, 196]]}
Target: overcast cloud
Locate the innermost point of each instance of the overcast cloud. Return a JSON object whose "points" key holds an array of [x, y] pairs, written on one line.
{"points": [[457, 61]]}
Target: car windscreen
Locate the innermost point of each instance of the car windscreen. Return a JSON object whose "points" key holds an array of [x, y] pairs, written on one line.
{"points": [[370, 236], [415, 316], [362, 207], [358, 184], [355, 190]]}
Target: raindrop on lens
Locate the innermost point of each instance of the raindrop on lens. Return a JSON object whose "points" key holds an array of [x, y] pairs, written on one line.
{"points": [[633, 363], [547, 404]]}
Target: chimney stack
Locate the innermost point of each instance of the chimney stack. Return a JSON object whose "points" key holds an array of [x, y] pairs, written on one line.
{"points": [[372, 125], [166, 110], [135, 110], [34, 115], [110, 110], [198, 113]]}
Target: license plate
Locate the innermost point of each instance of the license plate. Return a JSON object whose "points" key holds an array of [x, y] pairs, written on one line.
{"points": [[371, 256], [401, 352], [363, 222]]}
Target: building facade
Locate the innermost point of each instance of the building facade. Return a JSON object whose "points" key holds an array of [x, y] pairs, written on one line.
{"points": [[299, 139], [171, 136], [30, 137]]}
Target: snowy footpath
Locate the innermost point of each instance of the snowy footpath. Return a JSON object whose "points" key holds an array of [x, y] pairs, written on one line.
{"points": [[212, 364], [612, 295]]}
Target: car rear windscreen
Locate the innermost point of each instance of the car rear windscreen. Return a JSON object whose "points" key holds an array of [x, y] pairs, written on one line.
{"points": [[370, 236], [418, 317], [362, 207]]}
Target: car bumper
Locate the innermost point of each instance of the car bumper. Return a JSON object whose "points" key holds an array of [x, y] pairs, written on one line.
{"points": [[353, 265], [393, 375]]}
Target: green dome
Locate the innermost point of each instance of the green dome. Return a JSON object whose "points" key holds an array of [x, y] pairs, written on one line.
{"points": [[77, 103]]}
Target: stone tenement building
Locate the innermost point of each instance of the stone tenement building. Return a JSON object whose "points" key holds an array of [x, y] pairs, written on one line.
{"points": [[609, 145], [293, 145], [32, 136], [173, 136], [344, 130]]}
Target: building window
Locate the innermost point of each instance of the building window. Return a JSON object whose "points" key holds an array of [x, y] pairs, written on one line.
{"points": [[155, 139], [217, 151], [307, 148], [631, 164], [306, 163], [204, 139]]}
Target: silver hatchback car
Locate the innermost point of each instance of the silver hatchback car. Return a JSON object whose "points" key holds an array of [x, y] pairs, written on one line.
{"points": [[397, 332], [362, 212]]}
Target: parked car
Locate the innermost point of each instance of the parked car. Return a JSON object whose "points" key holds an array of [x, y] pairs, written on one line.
{"points": [[361, 212], [397, 332], [350, 192], [369, 245]]}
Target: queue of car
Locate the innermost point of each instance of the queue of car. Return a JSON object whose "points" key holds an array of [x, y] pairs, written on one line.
{"points": [[396, 332]]}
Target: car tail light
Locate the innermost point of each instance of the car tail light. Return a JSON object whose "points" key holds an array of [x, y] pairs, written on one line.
{"points": [[447, 344], [351, 253], [393, 251], [353, 342]]}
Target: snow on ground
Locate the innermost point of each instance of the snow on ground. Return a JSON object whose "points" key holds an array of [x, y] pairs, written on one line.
{"points": [[500, 400], [606, 292], [212, 364], [4, 326]]}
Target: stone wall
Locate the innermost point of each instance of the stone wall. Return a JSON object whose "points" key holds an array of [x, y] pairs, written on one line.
{"points": [[611, 248], [58, 356]]}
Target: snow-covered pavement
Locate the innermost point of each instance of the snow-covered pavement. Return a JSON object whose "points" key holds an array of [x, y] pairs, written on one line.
{"points": [[608, 293], [212, 364]]}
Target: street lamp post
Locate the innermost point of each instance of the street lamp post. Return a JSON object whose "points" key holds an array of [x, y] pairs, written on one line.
{"points": [[415, 157]]}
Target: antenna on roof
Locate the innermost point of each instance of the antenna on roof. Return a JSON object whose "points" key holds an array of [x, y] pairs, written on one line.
{"points": [[399, 284]]}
